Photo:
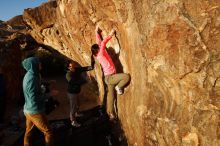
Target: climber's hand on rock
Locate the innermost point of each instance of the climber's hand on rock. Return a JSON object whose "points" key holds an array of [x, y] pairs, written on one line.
{"points": [[112, 32], [97, 29]]}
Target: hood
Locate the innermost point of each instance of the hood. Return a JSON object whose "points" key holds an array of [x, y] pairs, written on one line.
{"points": [[31, 64]]}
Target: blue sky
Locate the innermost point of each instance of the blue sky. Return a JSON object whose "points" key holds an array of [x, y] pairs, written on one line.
{"points": [[11, 8]]}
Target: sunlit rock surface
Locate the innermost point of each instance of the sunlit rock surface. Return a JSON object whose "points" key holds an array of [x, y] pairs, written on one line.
{"points": [[170, 48]]}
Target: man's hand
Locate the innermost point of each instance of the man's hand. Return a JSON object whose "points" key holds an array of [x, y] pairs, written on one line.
{"points": [[112, 32]]}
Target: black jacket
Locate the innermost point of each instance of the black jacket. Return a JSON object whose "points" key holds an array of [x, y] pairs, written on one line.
{"points": [[75, 79]]}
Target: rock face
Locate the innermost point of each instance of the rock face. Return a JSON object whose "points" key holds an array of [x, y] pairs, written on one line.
{"points": [[170, 48], [13, 38], [10, 58]]}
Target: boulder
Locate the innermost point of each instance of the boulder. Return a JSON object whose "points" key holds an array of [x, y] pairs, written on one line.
{"points": [[171, 50]]}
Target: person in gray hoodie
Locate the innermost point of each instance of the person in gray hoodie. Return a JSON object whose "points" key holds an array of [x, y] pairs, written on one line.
{"points": [[34, 107]]}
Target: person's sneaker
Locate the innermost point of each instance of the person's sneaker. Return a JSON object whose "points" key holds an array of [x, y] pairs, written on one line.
{"points": [[112, 117], [75, 124], [78, 115], [118, 90]]}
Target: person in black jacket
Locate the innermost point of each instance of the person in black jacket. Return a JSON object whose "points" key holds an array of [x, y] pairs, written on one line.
{"points": [[74, 79]]}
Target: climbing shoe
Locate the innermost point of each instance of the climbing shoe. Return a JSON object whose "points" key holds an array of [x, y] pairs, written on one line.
{"points": [[75, 124], [78, 114], [119, 90]]}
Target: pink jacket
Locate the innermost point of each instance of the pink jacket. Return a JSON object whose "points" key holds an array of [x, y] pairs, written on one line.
{"points": [[103, 57]]}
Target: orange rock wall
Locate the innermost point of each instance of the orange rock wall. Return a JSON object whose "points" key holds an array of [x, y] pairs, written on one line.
{"points": [[170, 48]]}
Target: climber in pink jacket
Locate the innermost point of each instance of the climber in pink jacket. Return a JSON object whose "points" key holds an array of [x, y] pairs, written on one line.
{"points": [[112, 79]]}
